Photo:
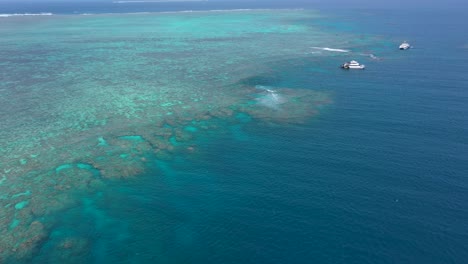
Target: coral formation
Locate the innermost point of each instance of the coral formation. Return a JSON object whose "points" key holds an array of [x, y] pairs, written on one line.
{"points": [[85, 107]]}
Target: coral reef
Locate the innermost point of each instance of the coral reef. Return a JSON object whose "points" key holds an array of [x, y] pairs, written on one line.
{"points": [[87, 108]]}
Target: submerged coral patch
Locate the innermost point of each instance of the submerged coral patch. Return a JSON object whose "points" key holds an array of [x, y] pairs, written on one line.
{"points": [[21, 205]]}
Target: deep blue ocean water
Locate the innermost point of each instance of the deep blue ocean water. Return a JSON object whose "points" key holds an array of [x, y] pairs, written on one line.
{"points": [[379, 177]]}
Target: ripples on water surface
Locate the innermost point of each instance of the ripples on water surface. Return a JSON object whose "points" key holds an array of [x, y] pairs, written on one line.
{"points": [[227, 137]]}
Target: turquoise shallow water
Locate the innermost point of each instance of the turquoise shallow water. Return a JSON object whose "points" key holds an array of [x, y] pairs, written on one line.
{"points": [[181, 138]]}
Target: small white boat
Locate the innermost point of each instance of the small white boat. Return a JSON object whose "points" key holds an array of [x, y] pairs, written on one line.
{"points": [[353, 65], [405, 45]]}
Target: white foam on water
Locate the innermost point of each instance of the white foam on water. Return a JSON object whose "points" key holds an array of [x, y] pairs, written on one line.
{"points": [[26, 14], [372, 56], [143, 13], [330, 49], [191, 11], [271, 99]]}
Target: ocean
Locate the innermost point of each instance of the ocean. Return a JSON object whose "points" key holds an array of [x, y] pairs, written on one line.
{"points": [[209, 132]]}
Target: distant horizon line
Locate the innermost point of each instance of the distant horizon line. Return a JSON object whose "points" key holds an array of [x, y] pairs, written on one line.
{"points": [[155, 1], [152, 12]]}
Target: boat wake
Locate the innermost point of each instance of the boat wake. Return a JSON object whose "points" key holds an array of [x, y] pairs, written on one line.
{"points": [[372, 56], [330, 49]]}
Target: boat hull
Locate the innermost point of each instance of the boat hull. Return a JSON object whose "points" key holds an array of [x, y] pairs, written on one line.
{"points": [[360, 67], [348, 67], [404, 47]]}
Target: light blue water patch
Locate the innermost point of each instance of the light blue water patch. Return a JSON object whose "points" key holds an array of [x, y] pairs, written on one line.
{"points": [[14, 223], [135, 138], [81, 166], [102, 142], [191, 129], [84, 166], [89, 167], [174, 141], [26, 193], [63, 167], [21, 205]]}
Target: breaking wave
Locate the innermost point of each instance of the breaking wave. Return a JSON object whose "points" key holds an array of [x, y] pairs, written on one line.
{"points": [[26, 14], [269, 98], [142, 13]]}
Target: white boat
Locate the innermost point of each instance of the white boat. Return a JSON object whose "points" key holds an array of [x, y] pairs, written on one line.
{"points": [[353, 65], [405, 45]]}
